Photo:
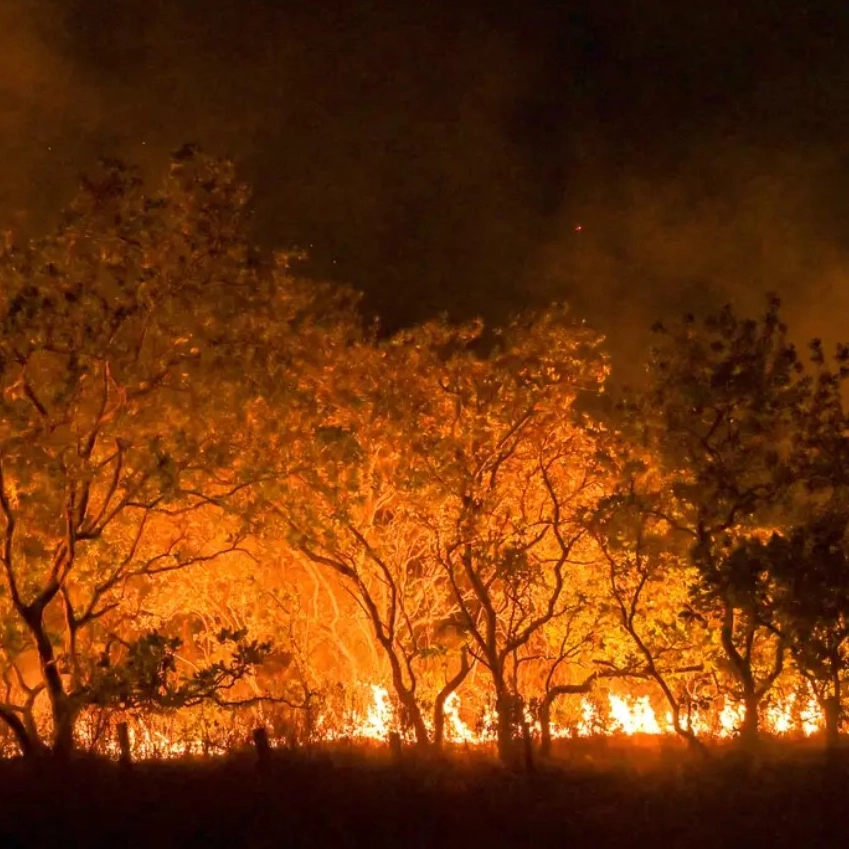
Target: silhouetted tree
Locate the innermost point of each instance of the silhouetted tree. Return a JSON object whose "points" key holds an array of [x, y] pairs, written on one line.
{"points": [[719, 413], [810, 569]]}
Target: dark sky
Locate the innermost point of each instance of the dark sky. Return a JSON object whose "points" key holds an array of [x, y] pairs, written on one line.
{"points": [[440, 155]]}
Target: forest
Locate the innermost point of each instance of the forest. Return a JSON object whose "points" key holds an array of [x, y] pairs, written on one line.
{"points": [[229, 500]]}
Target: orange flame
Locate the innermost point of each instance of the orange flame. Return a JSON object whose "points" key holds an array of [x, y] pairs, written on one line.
{"points": [[619, 714]]}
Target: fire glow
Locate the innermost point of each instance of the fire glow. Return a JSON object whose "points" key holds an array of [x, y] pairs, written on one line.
{"points": [[621, 716], [610, 715]]}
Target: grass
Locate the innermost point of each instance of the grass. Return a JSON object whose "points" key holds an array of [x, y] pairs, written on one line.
{"points": [[355, 798]]}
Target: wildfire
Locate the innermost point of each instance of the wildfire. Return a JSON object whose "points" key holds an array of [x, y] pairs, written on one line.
{"points": [[455, 728], [636, 717], [622, 715], [380, 717], [612, 715]]}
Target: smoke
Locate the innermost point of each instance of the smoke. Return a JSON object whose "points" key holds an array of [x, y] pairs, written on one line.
{"points": [[729, 225], [440, 156], [707, 165], [374, 135]]}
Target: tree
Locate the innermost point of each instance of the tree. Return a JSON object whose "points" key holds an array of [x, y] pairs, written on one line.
{"points": [[719, 414], [649, 583], [560, 653], [343, 511], [809, 559], [810, 567], [499, 467], [148, 674], [123, 414], [264, 594]]}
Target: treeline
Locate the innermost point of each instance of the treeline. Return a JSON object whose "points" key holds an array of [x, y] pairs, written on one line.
{"points": [[218, 486]]}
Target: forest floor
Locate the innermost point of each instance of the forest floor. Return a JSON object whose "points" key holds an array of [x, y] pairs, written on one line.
{"points": [[618, 797]]}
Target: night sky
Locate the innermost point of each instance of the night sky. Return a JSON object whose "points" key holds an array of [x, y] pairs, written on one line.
{"points": [[633, 159]]}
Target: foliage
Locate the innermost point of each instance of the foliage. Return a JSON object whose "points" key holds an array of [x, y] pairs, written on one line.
{"points": [[194, 443], [343, 510], [498, 468], [127, 443], [148, 675], [719, 416]]}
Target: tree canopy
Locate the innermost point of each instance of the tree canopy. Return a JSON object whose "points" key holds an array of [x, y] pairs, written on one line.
{"points": [[219, 487]]}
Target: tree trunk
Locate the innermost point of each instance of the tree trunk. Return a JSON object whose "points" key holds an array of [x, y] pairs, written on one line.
{"points": [[545, 709], [545, 725], [831, 707], [409, 703], [505, 708], [438, 724], [741, 665], [750, 725], [527, 745], [831, 712], [685, 731], [414, 716], [62, 711], [444, 693], [64, 720], [29, 747]]}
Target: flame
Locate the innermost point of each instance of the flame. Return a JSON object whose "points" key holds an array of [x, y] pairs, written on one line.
{"points": [[634, 717], [811, 717], [730, 718], [380, 717], [590, 723], [455, 729], [621, 714]]}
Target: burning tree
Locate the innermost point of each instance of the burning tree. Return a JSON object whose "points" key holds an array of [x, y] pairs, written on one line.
{"points": [[561, 656], [649, 581], [123, 432], [345, 512], [437, 501], [719, 416], [809, 558], [499, 468]]}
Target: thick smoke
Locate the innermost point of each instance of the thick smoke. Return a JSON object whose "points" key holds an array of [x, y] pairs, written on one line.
{"points": [[729, 226], [440, 156], [374, 136]]}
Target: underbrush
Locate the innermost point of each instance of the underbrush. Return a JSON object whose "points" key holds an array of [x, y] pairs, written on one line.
{"points": [[600, 794]]}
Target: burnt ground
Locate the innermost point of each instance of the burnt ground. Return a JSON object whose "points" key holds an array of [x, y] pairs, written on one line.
{"points": [[357, 799]]}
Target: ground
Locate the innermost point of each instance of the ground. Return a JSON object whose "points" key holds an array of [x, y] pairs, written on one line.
{"points": [[356, 799]]}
